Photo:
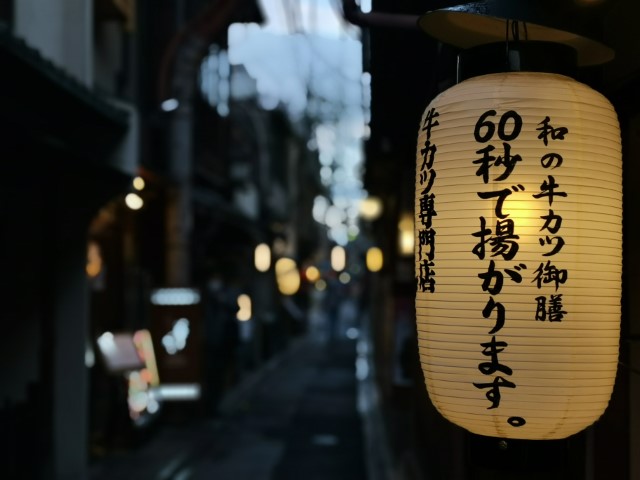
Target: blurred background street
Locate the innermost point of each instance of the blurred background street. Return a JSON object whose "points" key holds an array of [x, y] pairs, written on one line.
{"points": [[296, 418]]}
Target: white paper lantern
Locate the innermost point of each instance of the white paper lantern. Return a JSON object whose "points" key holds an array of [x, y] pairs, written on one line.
{"points": [[518, 216]]}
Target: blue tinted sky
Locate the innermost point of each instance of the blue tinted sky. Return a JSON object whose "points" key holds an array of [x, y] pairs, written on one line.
{"points": [[307, 59]]}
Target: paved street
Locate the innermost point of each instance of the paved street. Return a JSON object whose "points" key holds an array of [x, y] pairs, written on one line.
{"points": [[295, 419]]}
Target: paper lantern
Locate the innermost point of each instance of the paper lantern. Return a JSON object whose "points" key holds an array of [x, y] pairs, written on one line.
{"points": [[287, 276], [374, 259], [518, 214], [338, 258], [262, 257]]}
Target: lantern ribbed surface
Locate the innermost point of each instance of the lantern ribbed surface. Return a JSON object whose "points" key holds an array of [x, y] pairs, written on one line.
{"points": [[518, 223]]}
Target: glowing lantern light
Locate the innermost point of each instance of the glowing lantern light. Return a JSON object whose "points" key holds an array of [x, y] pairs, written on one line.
{"points": [[312, 273], [134, 201], [287, 276], [262, 257], [375, 259], [371, 208], [518, 254], [338, 258], [139, 183], [405, 235], [244, 308], [94, 260]]}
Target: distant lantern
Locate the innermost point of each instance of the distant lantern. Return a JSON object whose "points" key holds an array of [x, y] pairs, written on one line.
{"points": [[312, 273], [518, 213], [371, 208], [262, 257], [374, 259], [139, 183], [244, 308], [405, 235], [287, 276], [134, 201], [338, 258]]}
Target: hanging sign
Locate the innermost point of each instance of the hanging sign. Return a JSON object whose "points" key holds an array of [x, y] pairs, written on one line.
{"points": [[518, 225]]}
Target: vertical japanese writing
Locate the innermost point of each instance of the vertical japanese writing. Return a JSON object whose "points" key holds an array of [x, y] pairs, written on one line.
{"points": [[549, 307], [426, 281], [495, 163]]}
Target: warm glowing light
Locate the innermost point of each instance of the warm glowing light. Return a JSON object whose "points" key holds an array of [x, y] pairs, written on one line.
{"points": [[138, 183], [262, 257], [144, 344], [94, 260], [405, 235], [145, 374], [312, 273], [134, 201], [338, 258], [375, 259], [244, 304], [519, 262], [371, 208], [287, 276]]}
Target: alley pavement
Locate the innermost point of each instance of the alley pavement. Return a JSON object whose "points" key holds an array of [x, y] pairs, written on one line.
{"points": [[294, 419]]}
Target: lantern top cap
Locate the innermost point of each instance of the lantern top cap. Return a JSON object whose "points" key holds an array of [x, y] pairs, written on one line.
{"points": [[466, 29]]}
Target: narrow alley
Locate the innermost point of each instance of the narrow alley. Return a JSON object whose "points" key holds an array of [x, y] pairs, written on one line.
{"points": [[295, 418]]}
